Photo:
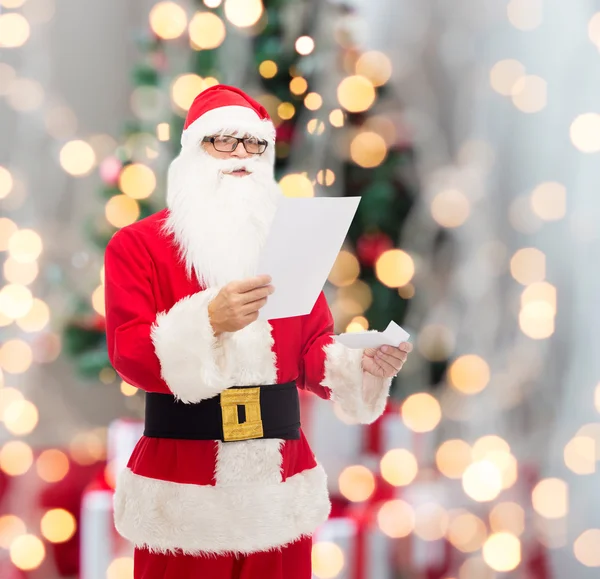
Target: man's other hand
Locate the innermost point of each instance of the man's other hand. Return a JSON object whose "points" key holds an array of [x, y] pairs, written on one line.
{"points": [[237, 304]]}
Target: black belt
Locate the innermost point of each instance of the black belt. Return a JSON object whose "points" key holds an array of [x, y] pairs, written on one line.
{"points": [[239, 413]]}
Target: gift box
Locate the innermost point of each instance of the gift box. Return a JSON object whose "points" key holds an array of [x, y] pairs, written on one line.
{"points": [[350, 545], [100, 544]]}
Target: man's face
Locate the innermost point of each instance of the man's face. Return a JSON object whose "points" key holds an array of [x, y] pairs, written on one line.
{"points": [[238, 153]]}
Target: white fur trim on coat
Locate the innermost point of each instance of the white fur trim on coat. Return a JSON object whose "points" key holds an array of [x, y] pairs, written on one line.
{"points": [[164, 516], [361, 396], [191, 356], [226, 120]]}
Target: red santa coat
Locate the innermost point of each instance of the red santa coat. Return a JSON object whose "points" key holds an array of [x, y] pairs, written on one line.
{"points": [[208, 496]]}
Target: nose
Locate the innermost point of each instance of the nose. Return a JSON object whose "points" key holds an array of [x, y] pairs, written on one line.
{"points": [[239, 151]]}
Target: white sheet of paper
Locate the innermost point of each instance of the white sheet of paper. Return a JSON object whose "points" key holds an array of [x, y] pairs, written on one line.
{"points": [[301, 248], [393, 335]]}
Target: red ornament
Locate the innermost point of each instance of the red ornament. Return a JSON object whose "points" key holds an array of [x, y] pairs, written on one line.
{"points": [[99, 323], [285, 132], [110, 169], [370, 246]]}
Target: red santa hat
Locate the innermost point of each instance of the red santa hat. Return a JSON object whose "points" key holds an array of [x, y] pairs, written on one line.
{"points": [[223, 109]]}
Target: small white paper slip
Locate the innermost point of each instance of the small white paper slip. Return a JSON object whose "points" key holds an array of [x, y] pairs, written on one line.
{"points": [[393, 335], [304, 240]]}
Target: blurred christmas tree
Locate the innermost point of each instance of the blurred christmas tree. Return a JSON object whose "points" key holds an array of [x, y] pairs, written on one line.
{"points": [[274, 50]]}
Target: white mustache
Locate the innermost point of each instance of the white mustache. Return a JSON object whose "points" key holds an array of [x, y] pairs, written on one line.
{"points": [[231, 165]]}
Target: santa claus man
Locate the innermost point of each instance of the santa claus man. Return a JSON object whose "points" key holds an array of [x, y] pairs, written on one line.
{"points": [[223, 484]]}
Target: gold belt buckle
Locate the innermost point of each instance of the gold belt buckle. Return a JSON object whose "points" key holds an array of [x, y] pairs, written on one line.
{"points": [[249, 398]]}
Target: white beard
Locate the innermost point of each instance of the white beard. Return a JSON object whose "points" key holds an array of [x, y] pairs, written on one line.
{"points": [[220, 222]]}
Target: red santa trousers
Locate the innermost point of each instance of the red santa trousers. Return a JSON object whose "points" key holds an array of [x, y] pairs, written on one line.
{"points": [[290, 562]]}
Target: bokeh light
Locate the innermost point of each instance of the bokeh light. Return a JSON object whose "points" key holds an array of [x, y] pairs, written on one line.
{"points": [[87, 448], [7, 230], [450, 208], [356, 483], [14, 30], [594, 29], [580, 455], [58, 525], [52, 465], [550, 498], [7, 396], [25, 245], [356, 94], [11, 527], [16, 356], [25, 95], [453, 457], [375, 66], [243, 13], [399, 467], [325, 177], [27, 552], [296, 185], [502, 551], [487, 444], [549, 201], [315, 126], [77, 158], [15, 300], [586, 549], [6, 182], [305, 45], [20, 273], [184, 89], [585, 133], [482, 481], [163, 132], [421, 412], [536, 319], [120, 568], [508, 516], [128, 389], [394, 268], [21, 417], [137, 181], [16, 458], [207, 31], [168, 20], [505, 74], [327, 560], [267, 68], [368, 149], [525, 14], [469, 374], [467, 532], [530, 94], [298, 85], [121, 210], [528, 265], [286, 111], [336, 118], [37, 318], [345, 270], [396, 518], [431, 521], [313, 101]]}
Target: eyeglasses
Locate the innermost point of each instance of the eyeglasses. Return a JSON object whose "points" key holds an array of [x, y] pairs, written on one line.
{"points": [[229, 143]]}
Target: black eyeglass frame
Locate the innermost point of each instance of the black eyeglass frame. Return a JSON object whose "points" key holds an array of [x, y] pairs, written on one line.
{"points": [[239, 140]]}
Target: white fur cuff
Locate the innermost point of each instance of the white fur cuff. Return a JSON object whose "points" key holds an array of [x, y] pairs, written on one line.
{"points": [[361, 396], [190, 355]]}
